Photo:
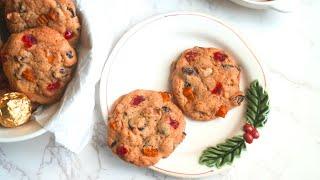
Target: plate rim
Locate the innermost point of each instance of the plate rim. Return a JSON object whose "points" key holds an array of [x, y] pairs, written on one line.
{"points": [[131, 31]]}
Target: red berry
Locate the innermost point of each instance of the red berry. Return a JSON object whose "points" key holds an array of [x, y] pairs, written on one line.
{"points": [[137, 100], [68, 34], [219, 56], [248, 138], [53, 86], [121, 151], [217, 89], [248, 128], [191, 55], [255, 133], [29, 40], [174, 123]]}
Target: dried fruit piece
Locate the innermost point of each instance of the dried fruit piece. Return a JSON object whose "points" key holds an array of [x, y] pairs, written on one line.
{"points": [[113, 144], [165, 109], [217, 89], [18, 58], [191, 55], [53, 86], [165, 96], [42, 20], [69, 54], [50, 58], [187, 84], [150, 152], [174, 123], [188, 70], [219, 56], [113, 125], [137, 100], [222, 111], [121, 151], [29, 40], [68, 34], [73, 14], [28, 75], [188, 92]]}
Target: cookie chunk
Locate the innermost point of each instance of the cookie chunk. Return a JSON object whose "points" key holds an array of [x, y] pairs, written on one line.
{"points": [[144, 127], [57, 14], [205, 82], [39, 63]]}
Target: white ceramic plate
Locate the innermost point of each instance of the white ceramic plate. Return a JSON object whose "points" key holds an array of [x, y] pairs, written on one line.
{"points": [[141, 60]]}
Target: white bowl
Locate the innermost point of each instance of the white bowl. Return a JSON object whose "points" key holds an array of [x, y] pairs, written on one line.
{"points": [[278, 5], [33, 128]]}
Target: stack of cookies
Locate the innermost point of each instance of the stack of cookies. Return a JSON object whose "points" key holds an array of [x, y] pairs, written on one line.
{"points": [[39, 58], [145, 126]]}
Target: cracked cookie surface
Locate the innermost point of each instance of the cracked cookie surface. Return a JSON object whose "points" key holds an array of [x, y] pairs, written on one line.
{"points": [[144, 127], [57, 14], [39, 63], [205, 83]]}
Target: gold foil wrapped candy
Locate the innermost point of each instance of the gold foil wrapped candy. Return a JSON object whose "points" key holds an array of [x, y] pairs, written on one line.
{"points": [[15, 109]]}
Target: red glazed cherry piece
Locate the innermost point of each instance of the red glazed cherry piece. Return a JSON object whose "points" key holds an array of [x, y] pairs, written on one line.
{"points": [[174, 123], [255, 134], [121, 151], [137, 100], [191, 55], [248, 128], [248, 138], [29, 40], [217, 89], [219, 56], [53, 86], [68, 34]]}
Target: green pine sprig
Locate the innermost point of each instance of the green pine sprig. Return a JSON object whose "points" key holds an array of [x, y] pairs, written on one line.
{"points": [[257, 114], [257, 106], [223, 153]]}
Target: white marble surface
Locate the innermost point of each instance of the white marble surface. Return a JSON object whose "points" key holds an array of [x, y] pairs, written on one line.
{"points": [[288, 46]]}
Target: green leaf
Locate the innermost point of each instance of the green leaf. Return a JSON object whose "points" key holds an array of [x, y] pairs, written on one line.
{"points": [[223, 153], [258, 105]]}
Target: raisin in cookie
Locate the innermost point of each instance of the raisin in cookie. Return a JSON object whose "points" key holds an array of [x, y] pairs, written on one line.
{"points": [[39, 63], [144, 127], [205, 82], [57, 14]]}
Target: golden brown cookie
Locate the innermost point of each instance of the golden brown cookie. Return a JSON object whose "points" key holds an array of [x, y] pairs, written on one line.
{"points": [[205, 82], [57, 14], [39, 63], [144, 127]]}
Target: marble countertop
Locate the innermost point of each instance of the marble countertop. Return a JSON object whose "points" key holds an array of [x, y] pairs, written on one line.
{"points": [[288, 46]]}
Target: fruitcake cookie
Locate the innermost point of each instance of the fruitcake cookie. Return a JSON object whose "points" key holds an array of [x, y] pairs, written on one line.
{"points": [[39, 63], [205, 82], [57, 14], [144, 127]]}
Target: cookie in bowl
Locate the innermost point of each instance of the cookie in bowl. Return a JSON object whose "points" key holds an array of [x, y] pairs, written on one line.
{"points": [[205, 83], [144, 127], [39, 63], [60, 15]]}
